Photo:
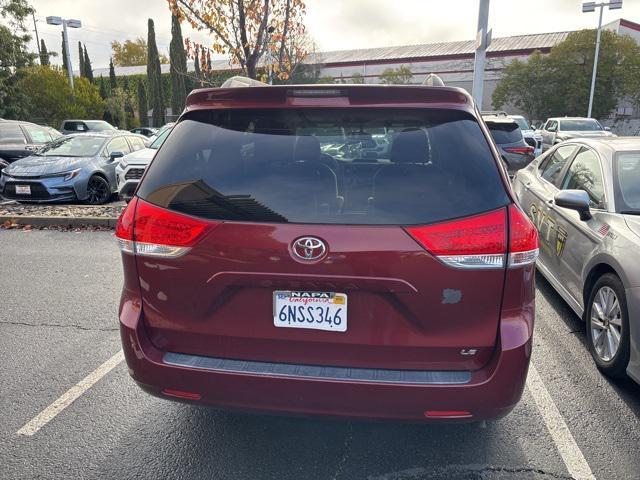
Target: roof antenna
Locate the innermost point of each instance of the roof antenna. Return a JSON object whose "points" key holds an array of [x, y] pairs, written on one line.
{"points": [[433, 80]]}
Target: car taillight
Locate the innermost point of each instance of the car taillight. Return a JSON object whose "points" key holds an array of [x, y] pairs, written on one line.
{"points": [[481, 241], [124, 227], [146, 229], [523, 238], [473, 242], [521, 150]]}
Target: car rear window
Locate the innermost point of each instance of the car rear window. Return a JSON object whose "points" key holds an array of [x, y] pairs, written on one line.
{"points": [[334, 166], [504, 132]]}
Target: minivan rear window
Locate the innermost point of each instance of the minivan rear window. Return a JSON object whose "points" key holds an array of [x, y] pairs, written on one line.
{"points": [[333, 166]]}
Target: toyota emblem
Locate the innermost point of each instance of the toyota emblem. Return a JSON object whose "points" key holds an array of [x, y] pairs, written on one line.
{"points": [[309, 248]]}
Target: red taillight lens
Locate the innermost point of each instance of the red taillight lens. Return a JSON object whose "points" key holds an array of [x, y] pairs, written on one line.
{"points": [[124, 227], [523, 238], [481, 241], [475, 242], [146, 229], [521, 150]]}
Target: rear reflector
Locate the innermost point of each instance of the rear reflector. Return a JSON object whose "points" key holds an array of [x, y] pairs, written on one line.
{"points": [[148, 230], [480, 242], [447, 414], [181, 394]]}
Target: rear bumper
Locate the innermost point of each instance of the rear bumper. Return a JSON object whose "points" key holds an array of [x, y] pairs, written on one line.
{"points": [[487, 393]]}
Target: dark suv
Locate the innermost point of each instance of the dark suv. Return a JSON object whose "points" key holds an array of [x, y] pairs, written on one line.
{"points": [[263, 273], [20, 139], [514, 150]]}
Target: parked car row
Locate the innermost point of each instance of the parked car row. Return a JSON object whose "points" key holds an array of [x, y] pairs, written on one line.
{"points": [[39, 158], [79, 167]]}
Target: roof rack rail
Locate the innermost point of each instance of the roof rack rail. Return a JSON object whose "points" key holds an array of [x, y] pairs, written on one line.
{"points": [[433, 80], [496, 113], [240, 81]]}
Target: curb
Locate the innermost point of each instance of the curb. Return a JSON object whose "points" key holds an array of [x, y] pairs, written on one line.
{"points": [[52, 221]]}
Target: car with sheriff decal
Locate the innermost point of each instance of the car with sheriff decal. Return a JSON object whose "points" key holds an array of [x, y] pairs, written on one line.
{"points": [[583, 195]]}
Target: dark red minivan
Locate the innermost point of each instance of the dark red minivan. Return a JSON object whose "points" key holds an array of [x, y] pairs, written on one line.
{"points": [[332, 250]]}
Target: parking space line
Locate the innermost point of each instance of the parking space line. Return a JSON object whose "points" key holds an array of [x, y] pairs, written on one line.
{"points": [[565, 443], [70, 396]]}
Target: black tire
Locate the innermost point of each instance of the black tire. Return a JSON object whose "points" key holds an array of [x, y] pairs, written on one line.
{"points": [[98, 190], [614, 366]]}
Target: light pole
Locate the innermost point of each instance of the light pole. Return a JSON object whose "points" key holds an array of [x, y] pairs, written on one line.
{"points": [[591, 7], [71, 24], [483, 39]]}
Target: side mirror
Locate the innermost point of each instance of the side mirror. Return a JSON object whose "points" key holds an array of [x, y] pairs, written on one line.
{"points": [[608, 129], [115, 155], [577, 200]]}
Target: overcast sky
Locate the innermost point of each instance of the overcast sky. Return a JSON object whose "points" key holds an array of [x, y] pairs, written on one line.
{"points": [[333, 24]]}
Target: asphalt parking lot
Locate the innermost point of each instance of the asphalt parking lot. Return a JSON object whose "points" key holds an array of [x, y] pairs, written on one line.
{"points": [[58, 327]]}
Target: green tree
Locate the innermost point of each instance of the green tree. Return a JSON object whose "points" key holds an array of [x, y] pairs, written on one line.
{"points": [[88, 69], [44, 53], [142, 104], [561, 81], [51, 99], [81, 70], [178, 59], [132, 53], [399, 76], [154, 78], [102, 88], [113, 83], [65, 60], [14, 55], [357, 78]]}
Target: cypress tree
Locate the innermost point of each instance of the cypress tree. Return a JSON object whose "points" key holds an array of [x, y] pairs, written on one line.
{"points": [[103, 88], [196, 63], [81, 70], [154, 78], [142, 104], [65, 61], [44, 53], [178, 59], [112, 75], [87, 65]]}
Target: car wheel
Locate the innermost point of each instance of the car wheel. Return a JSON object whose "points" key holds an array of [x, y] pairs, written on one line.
{"points": [[608, 326], [98, 190]]}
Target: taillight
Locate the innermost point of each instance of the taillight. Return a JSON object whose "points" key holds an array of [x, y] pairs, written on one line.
{"points": [[523, 241], [480, 241], [146, 229], [124, 227], [473, 242], [520, 150]]}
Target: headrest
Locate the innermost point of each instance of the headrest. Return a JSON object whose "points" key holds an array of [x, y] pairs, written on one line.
{"points": [[306, 148], [410, 146]]}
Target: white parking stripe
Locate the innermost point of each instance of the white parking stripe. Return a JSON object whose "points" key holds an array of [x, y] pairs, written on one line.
{"points": [[70, 396], [565, 443]]}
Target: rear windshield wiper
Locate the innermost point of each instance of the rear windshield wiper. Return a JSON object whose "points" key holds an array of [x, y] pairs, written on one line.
{"points": [[630, 212]]}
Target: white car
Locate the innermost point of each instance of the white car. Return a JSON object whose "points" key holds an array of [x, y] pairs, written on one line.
{"points": [[131, 167]]}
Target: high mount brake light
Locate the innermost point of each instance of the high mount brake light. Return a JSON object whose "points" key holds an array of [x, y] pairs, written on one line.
{"points": [[148, 230], [480, 242]]}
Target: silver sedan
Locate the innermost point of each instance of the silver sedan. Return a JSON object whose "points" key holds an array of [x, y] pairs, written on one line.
{"points": [[74, 167], [584, 197]]}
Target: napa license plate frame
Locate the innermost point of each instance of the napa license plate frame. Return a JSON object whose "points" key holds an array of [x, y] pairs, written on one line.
{"points": [[310, 310]]}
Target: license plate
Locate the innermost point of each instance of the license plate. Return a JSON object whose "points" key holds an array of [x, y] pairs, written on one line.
{"points": [[23, 189], [312, 310]]}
